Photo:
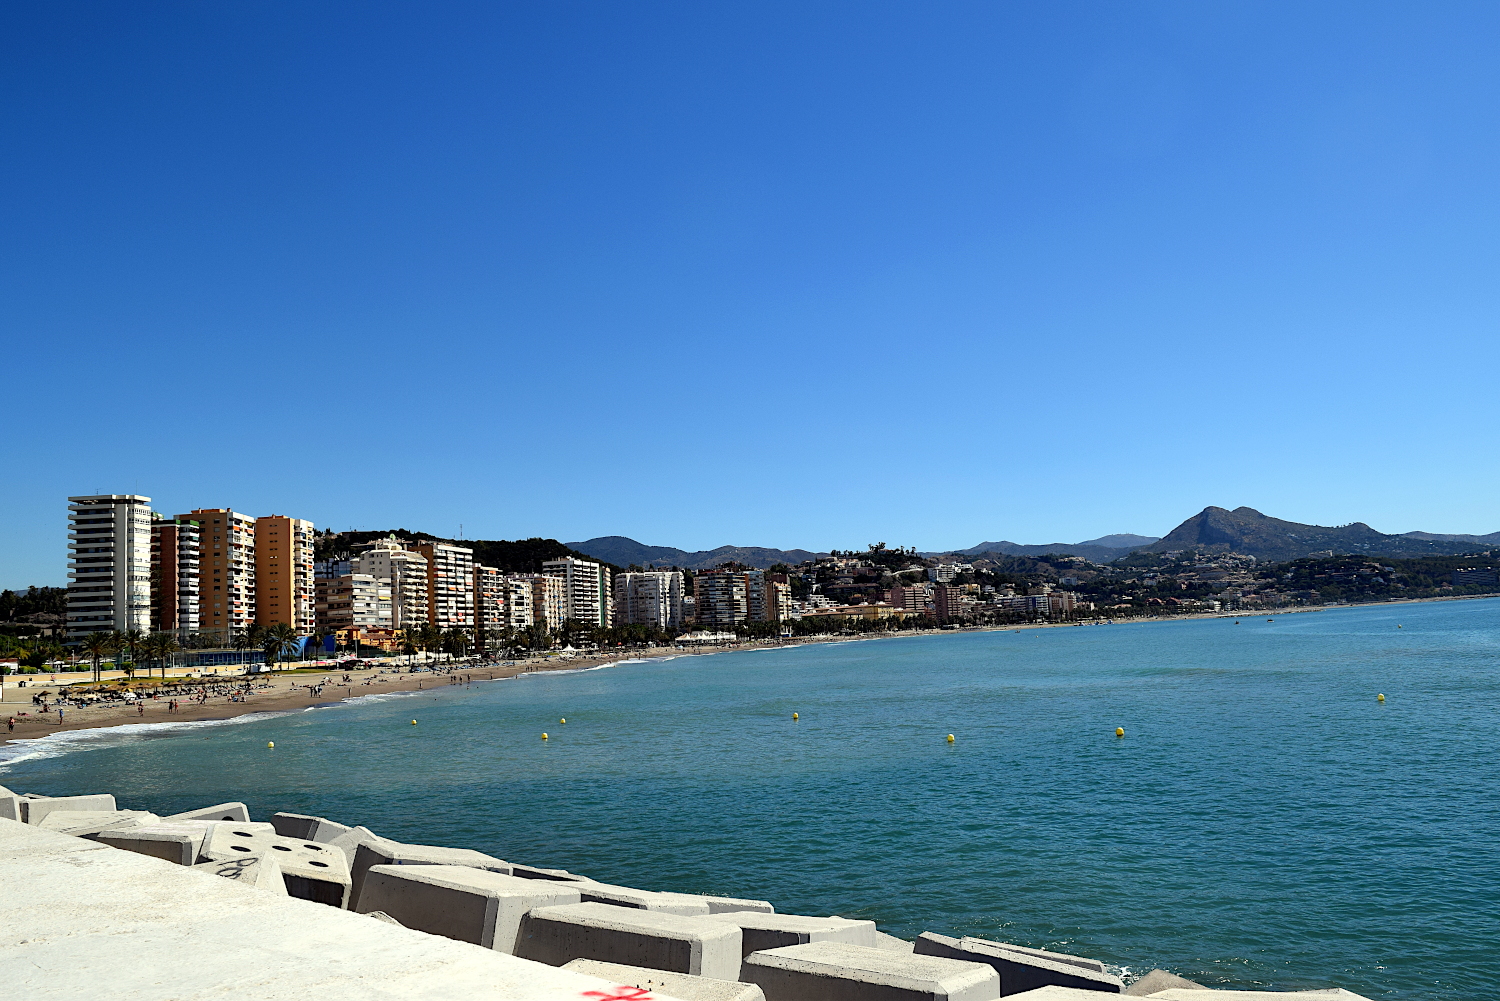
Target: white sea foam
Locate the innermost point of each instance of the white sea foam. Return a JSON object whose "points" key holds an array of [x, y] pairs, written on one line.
{"points": [[54, 745]]}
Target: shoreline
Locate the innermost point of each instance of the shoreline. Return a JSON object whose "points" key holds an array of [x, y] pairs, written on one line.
{"points": [[291, 692]]}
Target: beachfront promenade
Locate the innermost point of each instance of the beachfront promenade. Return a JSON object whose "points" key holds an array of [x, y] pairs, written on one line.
{"points": [[211, 902]]}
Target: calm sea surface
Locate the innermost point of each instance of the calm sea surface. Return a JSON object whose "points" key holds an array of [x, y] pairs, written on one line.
{"points": [[1265, 821]]}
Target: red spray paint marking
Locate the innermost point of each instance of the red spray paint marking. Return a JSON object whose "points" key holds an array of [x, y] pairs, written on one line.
{"points": [[631, 994]]}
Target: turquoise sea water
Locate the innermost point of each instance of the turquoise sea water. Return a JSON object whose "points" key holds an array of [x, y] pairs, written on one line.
{"points": [[1265, 821]]}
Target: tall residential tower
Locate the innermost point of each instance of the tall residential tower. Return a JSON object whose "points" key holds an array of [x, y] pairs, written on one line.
{"points": [[109, 563]]}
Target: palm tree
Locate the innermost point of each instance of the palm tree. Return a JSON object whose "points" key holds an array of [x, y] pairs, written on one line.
{"points": [[456, 642], [98, 646], [132, 639], [277, 641], [408, 644], [320, 636]]}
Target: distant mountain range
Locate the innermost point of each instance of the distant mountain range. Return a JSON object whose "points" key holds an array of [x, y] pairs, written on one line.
{"points": [[1214, 529], [1105, 549], [622, 552], [1246, 530]]}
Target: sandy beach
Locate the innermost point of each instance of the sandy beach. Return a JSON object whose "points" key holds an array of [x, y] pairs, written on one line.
{"points": [[292, 690]]}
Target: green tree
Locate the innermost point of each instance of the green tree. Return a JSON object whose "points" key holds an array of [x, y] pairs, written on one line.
{"points": [[98, 646], [279, 641]]}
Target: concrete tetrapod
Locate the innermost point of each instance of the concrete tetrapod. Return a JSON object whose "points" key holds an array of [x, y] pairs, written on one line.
{"points": [[255, 871], [457, 902], [1019, 971], [772, 931], [633, 937], [684, 986], [836, 971], [93, 916], [364, 848], [311, 871]]}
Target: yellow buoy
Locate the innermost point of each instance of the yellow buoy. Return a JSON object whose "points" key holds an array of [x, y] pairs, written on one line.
{"points": [[795, 716], [1119, 731], [1380, 698], [270, 743], [544, 736], [562, 720], [1398, 625], [950, 738], [413, 722]]}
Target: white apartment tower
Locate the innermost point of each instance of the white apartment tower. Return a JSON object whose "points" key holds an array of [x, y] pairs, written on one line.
{"points": [[649, 599], [407, 572], [586, 590], [109, 563]]}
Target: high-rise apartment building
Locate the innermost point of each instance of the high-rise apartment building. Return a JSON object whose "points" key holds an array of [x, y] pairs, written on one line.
{"points": [[226, 570], [518, 601], [174, 575], [450, 584], [649, 599], [587, 589], [549, 600], [109, 563], [284, 589], [407, 572], [725, 598], [490, 617], [354, 601]]}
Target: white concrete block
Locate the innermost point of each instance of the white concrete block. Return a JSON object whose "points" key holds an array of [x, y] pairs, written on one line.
{"points": [[10, 805], [234, 813], [646, 900], [311, 871], [1160, 980], [773, 931], [307, 828], [894, 944], [1056, 957], [179, 843], [34, 809], [559, 875], [1019, 971], [87, 823], [470, 905], [1056, 994], [258, 872], [365, 849], [679, 985], [634, 937], [723, 905], [95, 921], [836, 971]]}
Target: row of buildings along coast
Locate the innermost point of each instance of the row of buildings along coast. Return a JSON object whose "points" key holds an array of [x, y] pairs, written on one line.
{"points": [[217, 573]]}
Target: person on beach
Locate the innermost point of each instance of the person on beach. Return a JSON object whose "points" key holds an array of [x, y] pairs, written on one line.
{"points": [[11, 723]]}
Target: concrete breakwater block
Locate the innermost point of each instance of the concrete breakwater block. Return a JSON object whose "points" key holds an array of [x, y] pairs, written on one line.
{"points": [[10, 805], [1019, 971], [837, 971], [683, 986], [363, 849], [258, 872], [234, 813], [305, 828], [633, 937], [646, 900], [723, 905], [35, 808], [558, 875], [94, 922], [1160, 980], [772, 931], [180, 843], [1056, 957], [893, 944], [470, 905], [88, 823], [311, 871]]}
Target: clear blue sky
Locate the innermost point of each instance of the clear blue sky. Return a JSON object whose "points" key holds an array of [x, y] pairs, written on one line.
{"points": [[783, 274]]}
